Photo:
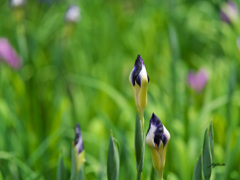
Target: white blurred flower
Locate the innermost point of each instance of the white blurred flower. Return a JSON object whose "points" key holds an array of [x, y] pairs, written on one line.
{"points": [[17, 3], [73, 14]]}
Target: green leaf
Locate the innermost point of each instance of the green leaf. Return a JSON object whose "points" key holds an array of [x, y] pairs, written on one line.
{"points": [[1, 177], [74, 166], [207, 160], [60, 169], [197, 174], [25, 168], [152, 175], [80, 173], [139, 146], [113, 161], [211, 138], [76, 174]]}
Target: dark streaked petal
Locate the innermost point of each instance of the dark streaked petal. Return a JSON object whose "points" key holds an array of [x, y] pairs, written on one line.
{"points": [[138, 80], [136, 70], [156, 121], [164, 140], [158, 137], [158, 134]]}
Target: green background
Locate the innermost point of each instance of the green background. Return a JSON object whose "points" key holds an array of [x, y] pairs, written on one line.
{"points": [[82, 77]]}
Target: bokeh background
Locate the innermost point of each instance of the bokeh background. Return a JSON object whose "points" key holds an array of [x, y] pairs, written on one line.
{"points": [[78, 73]]}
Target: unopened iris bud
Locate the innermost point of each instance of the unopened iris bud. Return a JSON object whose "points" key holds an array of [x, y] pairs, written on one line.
{"points": [[139, 81], [73, 14], [78, 145], [18, 9], [157, 139]]}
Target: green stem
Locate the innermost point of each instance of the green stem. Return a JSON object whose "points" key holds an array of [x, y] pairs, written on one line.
{"points": [[160, 175], [141, 115], [139, 175], [139, 144]]}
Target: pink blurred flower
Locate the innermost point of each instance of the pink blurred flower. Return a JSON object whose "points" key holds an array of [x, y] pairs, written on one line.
{"points": [[9, 55], [197, 81]]}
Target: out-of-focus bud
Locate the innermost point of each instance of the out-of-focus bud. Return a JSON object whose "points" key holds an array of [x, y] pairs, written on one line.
{"points": [[229, 12], [139, 81], [73, 14], [197, 81], [17, 3], [79, 149], [157, 139], [9, 55], [18, 9]]}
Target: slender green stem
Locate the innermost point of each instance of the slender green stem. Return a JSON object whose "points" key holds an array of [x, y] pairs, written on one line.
{"points": [[139, 175], [160, 175], [139, 144], [141, 115]]}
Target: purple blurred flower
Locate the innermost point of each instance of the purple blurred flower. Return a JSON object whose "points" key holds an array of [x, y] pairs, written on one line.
{"points": [[229, 12], [197, 81], [9, 55]]}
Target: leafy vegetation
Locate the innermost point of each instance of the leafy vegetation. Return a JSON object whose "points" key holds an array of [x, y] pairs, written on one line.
{"points": [[79, 73]]}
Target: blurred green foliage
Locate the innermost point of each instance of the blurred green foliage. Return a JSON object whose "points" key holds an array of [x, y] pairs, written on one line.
{"points": [[83, 77]]}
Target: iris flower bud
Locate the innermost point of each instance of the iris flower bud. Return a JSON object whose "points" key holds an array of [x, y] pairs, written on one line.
{"points": [[139, 81], [157, 139], [73, 14], [78, 145]]}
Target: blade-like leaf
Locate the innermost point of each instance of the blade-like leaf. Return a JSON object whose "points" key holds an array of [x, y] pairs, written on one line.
{"points": [[197, 174], [74, 166], [211, 138], [152, 175], [113, 161], [60, 169], [207, 160], [80, 174]]}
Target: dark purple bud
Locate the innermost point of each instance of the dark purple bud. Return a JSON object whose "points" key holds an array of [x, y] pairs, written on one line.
{"points": [[159, 130], [139, 72], [136, 70], [78, 141]]}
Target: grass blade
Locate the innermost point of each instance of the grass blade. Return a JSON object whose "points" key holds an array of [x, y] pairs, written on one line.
{"points": [[207, 159], [112, 161]]}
